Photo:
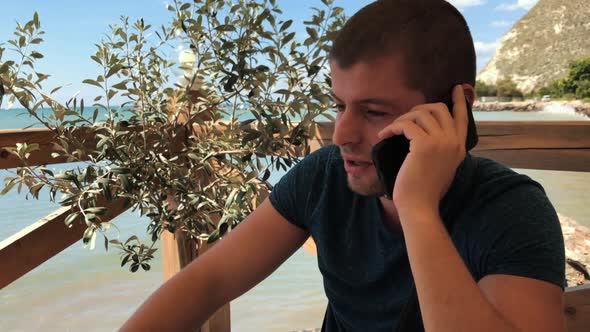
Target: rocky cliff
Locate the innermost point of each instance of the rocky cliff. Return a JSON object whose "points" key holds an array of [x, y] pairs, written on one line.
{"points": [[541, 45]]}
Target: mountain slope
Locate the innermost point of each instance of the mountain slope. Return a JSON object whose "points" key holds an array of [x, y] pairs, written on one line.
{"points": [[541, 45]]}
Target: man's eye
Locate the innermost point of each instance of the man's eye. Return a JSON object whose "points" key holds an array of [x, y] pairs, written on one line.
{"points": [[339, 107], [376, 113]]}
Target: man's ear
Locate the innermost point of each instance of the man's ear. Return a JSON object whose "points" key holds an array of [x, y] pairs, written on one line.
{"points": [[469, 92]]}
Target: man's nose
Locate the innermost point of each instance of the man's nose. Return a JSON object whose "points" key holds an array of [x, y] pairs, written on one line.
{"points": [[347, 129]]}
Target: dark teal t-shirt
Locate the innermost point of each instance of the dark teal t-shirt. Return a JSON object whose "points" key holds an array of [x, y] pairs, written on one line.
{"points": [[501, 223]]}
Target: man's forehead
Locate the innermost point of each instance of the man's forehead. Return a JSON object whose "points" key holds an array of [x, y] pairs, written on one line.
{"points": [[379, 81], [386, 71], [392, 60]]}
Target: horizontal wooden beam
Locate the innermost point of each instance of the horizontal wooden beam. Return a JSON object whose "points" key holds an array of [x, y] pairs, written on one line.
{"points": [[559, 145], [563, 146], [577, 308], [44, 137], [575, 160], [33, 245]]}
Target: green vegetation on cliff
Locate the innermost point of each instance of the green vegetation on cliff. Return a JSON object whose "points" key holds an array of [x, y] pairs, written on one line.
{"points": [[575, 85]]}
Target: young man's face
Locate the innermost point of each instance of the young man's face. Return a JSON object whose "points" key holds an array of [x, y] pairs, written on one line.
{"points": [[368, 97]]}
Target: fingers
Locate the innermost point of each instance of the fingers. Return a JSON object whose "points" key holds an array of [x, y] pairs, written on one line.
{"points": [[427, 122], [444, 118], [434, 119], [408, 128]]}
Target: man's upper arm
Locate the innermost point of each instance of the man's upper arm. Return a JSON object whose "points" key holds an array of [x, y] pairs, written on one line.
{"points": [[529, 304], [521, 267], [252, 251]]}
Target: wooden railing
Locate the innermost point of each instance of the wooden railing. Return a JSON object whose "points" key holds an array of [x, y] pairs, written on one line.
{"points": [[561, 146]]}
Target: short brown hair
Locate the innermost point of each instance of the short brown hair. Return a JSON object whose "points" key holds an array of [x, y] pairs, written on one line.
{"points": [[431, 36]]}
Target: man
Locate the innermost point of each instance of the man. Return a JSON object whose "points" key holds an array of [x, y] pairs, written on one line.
{"points": [[482, 244]]}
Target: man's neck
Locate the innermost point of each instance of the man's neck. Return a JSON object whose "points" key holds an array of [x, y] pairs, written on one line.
{"points": [[390, 216]]}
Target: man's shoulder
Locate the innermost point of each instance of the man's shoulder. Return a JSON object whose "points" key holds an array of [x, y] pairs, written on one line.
{"points": [[325, 153], [311, 174], [489, 169], [323, 161], [299, 192], [494, 179], [511, 227], [505, 199]]}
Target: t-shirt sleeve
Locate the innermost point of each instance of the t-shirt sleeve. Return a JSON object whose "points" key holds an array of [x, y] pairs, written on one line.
{"points": [[295, 193], [523, 237]]}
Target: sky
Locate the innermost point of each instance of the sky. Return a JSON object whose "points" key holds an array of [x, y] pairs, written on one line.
{"points": [[73, 27]]}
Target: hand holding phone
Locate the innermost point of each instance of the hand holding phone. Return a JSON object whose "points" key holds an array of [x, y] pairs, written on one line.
{"points": [[389, 154]]}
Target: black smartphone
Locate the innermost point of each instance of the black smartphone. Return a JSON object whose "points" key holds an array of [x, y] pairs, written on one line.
{"points": [[1, 93], [389, 154]]}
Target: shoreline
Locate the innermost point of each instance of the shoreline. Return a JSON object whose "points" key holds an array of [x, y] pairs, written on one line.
{"points": [[578, 106]]}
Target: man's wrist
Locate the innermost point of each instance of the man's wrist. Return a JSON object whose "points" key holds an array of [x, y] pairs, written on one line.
{"points": [[417, 213]]}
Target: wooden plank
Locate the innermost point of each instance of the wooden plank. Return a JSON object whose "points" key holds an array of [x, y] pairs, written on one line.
{"points": [[561, 145], [546, 159], [29, 248], [170, 255], [577, 308], [220, 321], [178, 250], [44, 137], [538, 145], [9, 138], [533, 134]]}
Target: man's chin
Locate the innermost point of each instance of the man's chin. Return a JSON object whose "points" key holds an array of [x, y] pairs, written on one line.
{"points": [[372, 188]]}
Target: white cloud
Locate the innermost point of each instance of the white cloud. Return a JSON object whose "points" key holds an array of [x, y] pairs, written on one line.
{"points": [[466, 3], [520, 4], [485, 48], [499, 24], [484, 52]]}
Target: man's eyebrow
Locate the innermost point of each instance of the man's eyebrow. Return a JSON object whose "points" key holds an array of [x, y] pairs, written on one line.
{"points": [[379, 101]]}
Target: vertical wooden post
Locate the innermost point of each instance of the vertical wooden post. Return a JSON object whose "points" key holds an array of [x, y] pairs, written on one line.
{"points": [[178, 250], [577, 308], [221, 319]]}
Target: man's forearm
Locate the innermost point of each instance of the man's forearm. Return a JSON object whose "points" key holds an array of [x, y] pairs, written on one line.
{"points": [[450, 299], [183, 303]]}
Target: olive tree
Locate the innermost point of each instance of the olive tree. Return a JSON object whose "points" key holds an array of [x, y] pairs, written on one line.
{"points": [[193, 154]]}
